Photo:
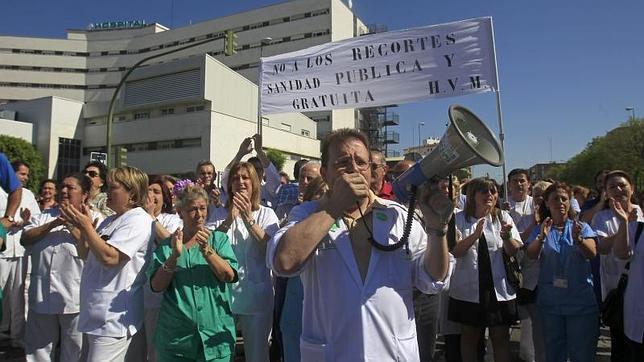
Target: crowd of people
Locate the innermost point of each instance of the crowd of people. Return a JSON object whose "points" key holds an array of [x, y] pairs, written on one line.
{"points": [[118, 265]]}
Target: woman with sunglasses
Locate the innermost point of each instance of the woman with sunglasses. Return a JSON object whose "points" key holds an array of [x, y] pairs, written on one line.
{"points": [[111, 290], [97, 172], [480, 296]]}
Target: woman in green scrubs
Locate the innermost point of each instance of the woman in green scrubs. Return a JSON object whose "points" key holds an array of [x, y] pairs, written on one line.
{"points": [[194, 268]]}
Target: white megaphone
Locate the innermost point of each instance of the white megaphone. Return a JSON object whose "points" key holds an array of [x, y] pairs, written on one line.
{"points": [[468, 141]]}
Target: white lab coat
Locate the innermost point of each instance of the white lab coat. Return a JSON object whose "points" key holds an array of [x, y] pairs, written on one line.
{"points": [[345, 319], [56, 267]]}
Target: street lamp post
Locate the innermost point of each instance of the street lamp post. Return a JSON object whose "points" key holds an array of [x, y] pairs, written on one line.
{"points": [[110, 113], [265, 41], [419, 138], [632, 110]]}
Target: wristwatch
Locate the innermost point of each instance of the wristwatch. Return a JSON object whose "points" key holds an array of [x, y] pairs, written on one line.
{"points": [[10, 218], [251, 222]]}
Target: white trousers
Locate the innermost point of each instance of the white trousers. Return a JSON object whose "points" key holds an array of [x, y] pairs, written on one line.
{"points": [[150, 321], [115, 349], [12, 281], [256, 329], [44, 331]]}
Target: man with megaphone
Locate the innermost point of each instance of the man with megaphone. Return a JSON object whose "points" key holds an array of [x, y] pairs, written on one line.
{"points": [[357, 277]]}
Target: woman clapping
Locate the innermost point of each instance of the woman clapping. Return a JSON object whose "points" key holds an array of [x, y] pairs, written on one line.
{"points": [[111, 290], [249, 226], [480, 295], [54, 298], [193, 269], [565, 299]]}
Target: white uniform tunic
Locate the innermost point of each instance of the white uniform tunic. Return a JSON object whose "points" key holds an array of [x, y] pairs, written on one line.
{"points": [[56, 267], [171, 222], [465, 281], [112, 297], [253, 294], [605, 224], [345, 319]]}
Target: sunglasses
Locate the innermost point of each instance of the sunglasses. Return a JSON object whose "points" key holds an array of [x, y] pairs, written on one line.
{"points": [[91, 173]]}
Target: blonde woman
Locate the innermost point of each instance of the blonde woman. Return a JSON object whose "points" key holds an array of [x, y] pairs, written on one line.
{"points": [[111, 291], [249, 226]]}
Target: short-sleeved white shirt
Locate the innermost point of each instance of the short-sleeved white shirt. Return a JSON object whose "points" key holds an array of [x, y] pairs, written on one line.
{"points": [[28, 201], [171, 222], [56, 267], [253, 294], [112, 297], [606, 224], [464, 284], [633, 306], [522, 212]]}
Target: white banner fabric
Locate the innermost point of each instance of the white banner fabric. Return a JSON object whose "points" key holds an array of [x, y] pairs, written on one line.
{"points": [[395, 67]]}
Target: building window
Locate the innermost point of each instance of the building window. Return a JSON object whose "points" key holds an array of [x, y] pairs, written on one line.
{"points": [[141, 115], [194, 109], [306, 133], [286, 127], [166, 111], [69, 152]]}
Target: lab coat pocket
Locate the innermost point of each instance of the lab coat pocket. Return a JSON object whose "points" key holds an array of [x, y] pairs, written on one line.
{"points": [[99, 307], [315, 352], [407, 348]]}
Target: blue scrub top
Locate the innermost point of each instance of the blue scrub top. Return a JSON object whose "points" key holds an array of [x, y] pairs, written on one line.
{"points": [[562, 263]]}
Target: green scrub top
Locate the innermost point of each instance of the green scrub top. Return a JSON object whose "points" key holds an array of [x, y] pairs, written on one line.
{"points": [[195, 320]]}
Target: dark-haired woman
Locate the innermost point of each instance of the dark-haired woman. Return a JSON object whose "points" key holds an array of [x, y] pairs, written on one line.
{"points": [[565, 299], [618, 188], [480, 296], [165, 222], [54, 297], [47, 194], [97, 200], [249, 226]]}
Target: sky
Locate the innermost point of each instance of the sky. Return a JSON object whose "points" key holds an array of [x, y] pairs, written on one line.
{"points": [[567, 69]]}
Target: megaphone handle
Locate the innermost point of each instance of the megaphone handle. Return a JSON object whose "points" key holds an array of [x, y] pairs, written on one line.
{"points": [[410, 217]]}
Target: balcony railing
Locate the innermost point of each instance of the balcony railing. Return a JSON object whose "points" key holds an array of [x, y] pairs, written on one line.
{"points": [[389, 119], [391, 137]]}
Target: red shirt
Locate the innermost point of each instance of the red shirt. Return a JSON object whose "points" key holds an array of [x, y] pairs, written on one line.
{"points": [[387, 191]]}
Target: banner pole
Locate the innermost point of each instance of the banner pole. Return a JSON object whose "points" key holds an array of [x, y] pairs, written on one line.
{"points": [[259, 95], [499, 112]]}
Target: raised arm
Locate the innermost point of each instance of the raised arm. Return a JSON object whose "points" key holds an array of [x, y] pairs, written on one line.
{"points": [[297, 244]]}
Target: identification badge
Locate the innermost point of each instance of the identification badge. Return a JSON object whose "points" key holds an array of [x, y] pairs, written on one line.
{"points": [[560, 283]]}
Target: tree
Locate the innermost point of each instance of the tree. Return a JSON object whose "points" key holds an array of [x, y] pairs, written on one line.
{"points": [[620, 149], [277, 157], [19, 149]]}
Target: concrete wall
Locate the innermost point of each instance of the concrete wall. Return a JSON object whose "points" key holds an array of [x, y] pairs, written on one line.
{"points": [[17, 129]]}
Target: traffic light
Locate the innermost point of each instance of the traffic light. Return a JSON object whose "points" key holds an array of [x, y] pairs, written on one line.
{"points": [[230, 43], [121, 156]]}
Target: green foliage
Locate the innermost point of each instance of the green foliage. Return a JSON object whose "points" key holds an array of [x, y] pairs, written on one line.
{"points": [[620, 149], [278, 158], [19, 149]]}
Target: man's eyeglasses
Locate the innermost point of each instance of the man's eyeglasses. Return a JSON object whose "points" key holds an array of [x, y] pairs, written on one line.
{"points": [[91, 173], [347, 162]]}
